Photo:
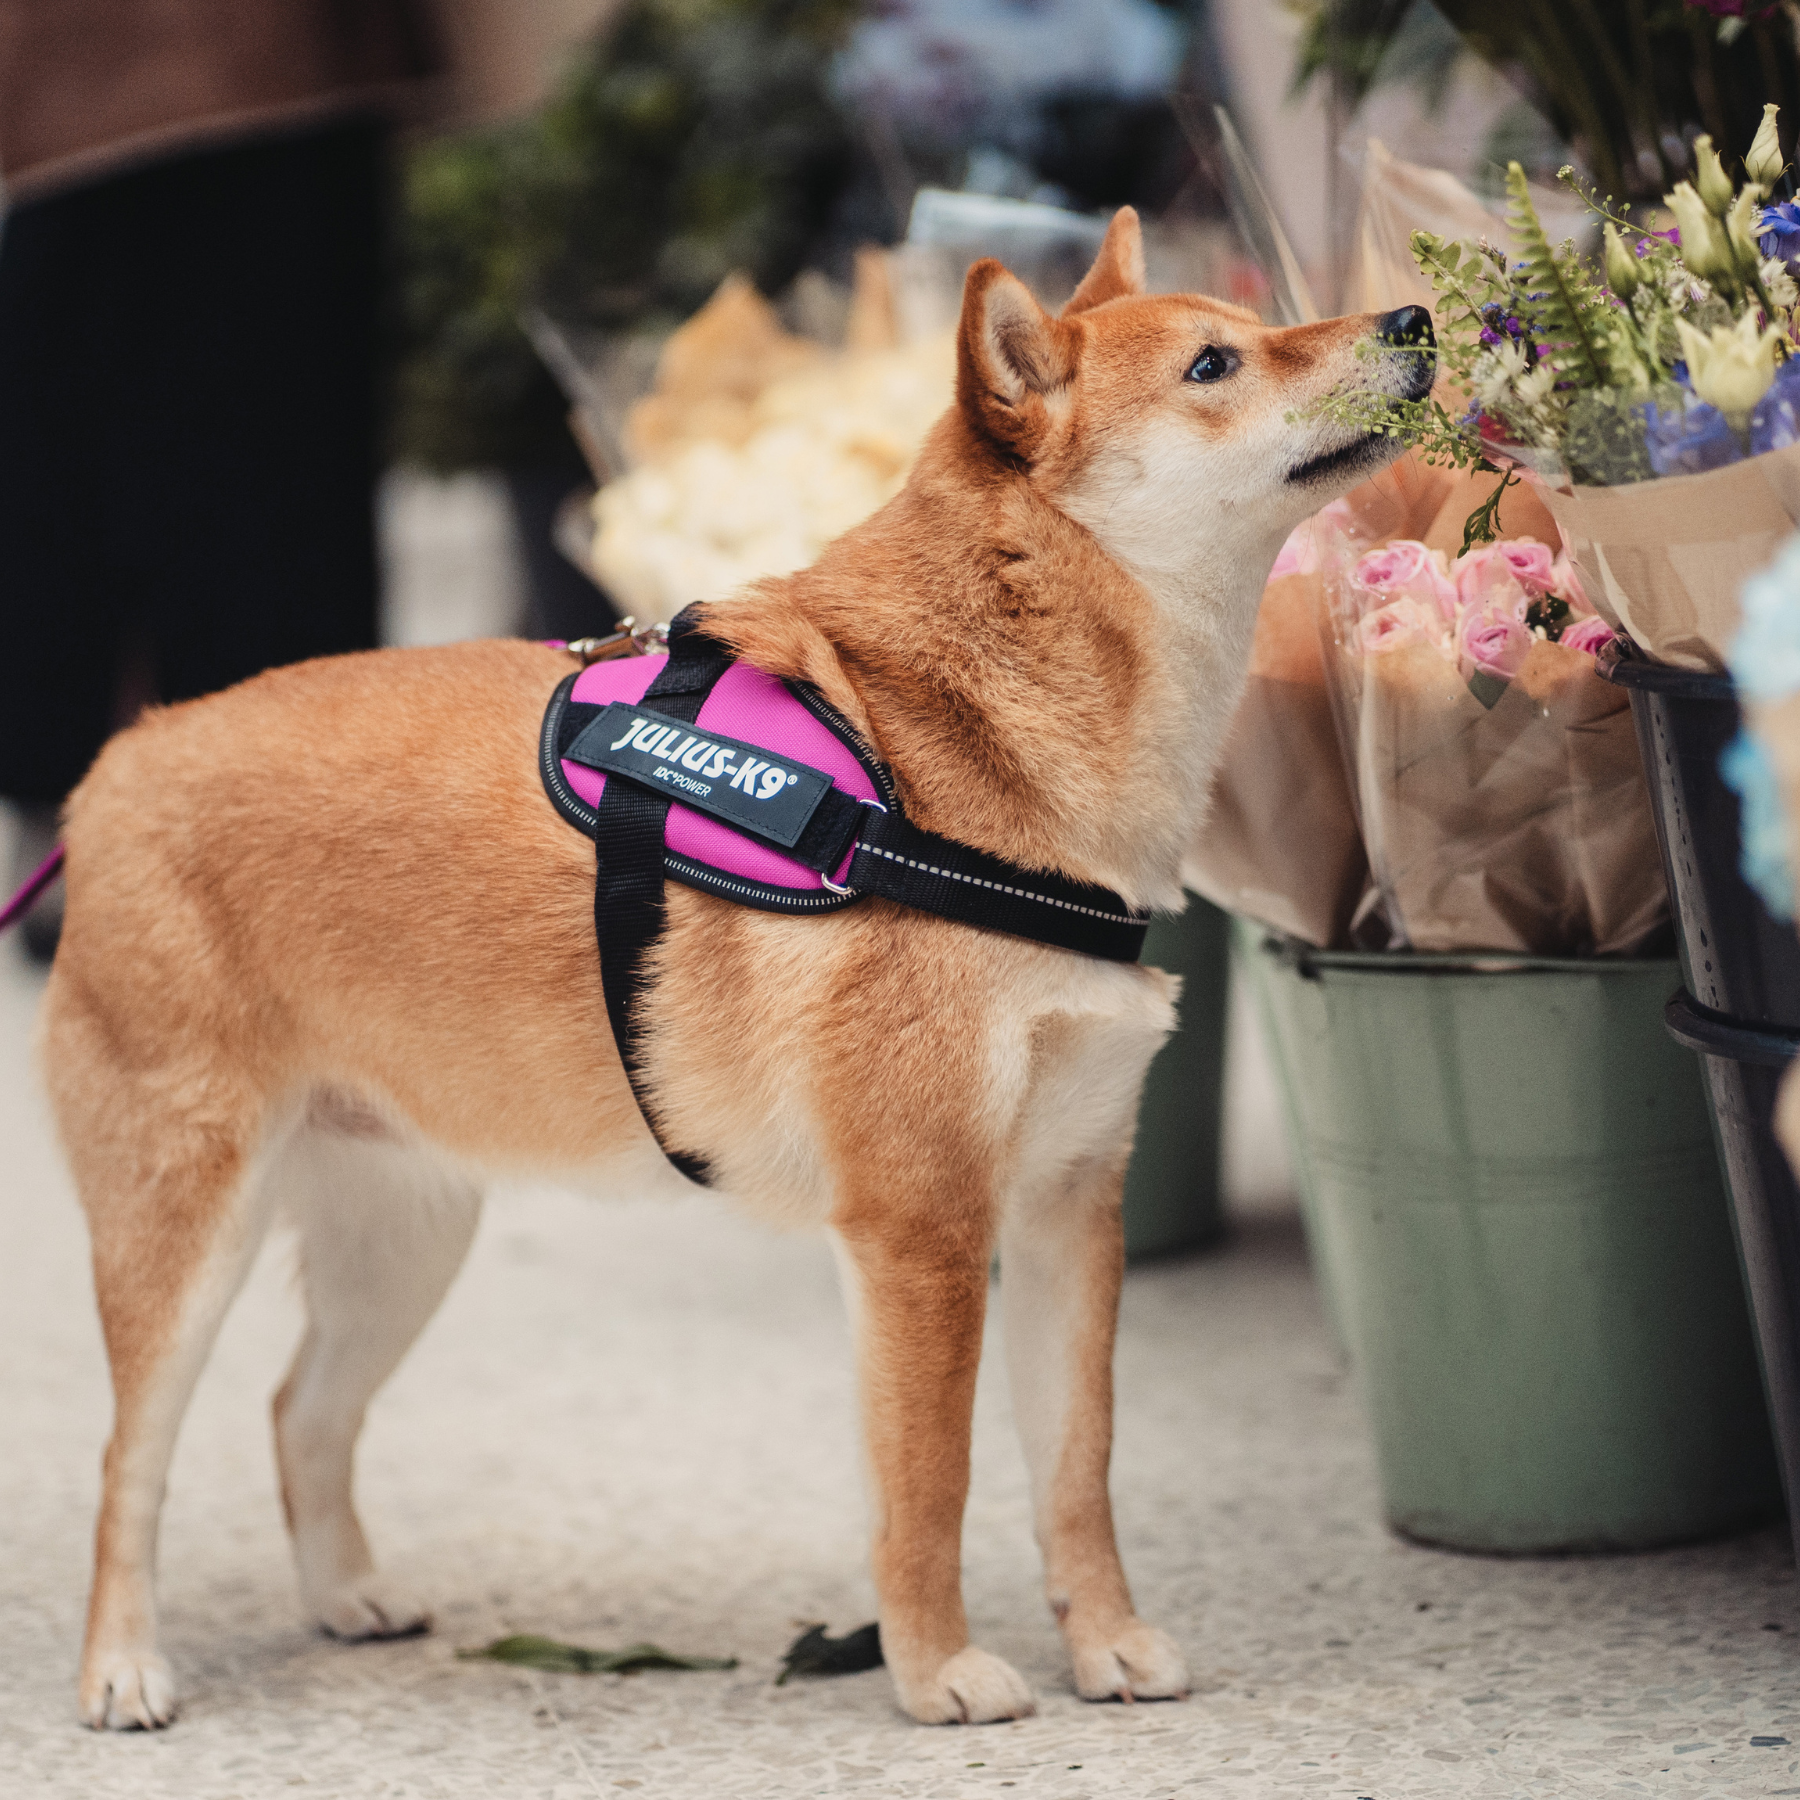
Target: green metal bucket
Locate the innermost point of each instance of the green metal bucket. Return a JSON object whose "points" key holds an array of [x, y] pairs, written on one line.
{"points": [[1515, 1191], [1172, 1200]]}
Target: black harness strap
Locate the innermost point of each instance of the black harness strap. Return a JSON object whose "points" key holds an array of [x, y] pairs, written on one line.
{"points": [[890, 859], [628, 886]]}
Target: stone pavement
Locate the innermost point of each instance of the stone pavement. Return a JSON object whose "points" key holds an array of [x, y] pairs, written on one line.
{"points": [[636, 1422]]}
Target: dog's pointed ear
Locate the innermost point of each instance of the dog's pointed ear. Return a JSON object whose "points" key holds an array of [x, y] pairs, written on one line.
{"points": [[1118, 269], [1010, 354]]}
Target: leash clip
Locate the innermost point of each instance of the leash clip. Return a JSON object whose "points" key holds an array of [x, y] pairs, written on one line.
{"points": [[631, 639]]}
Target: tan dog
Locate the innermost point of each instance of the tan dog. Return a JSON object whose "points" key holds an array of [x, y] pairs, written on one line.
{"points": [[329, 951]]}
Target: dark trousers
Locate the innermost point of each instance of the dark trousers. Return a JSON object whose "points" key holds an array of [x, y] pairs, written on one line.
{"points": [[188, 435]]}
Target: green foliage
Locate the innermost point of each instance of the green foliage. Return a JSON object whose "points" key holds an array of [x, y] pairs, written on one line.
{"points": [[1482, 526], [526, 1650], [1604, 443], [1566, 307], [699, 138]]}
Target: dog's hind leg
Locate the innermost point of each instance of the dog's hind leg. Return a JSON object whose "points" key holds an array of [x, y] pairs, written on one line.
{"points": [[1062, 1256], [168, 1157], [384, 1226]]}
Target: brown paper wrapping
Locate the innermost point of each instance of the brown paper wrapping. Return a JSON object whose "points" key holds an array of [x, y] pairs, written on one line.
{"points": [[1662, 561], [1525, 827], [1281, 843]]}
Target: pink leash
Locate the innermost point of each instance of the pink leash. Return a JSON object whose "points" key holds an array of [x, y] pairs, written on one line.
{"points": [[22, 902]]}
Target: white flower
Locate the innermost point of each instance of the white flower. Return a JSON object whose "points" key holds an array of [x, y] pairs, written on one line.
{"points": [[1495, 373], [1535, 387], [1730, 366], [1779, 284], [1704, 248], [1763, 165]]}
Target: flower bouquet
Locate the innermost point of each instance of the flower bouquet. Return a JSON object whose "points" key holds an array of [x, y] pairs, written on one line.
{"points": [[1496, 776], [1424, 755], [1653, 399]]}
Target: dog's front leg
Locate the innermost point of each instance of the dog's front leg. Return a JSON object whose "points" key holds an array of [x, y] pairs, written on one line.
{"points": [[1062, 1257], [917, 1290]]}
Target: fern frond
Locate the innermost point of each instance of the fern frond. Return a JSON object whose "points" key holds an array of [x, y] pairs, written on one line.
{"points": [[1570, 308]]}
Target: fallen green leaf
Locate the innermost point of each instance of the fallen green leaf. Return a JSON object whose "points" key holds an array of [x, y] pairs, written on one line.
{"points": [[528, 1651], [813, 1653]]}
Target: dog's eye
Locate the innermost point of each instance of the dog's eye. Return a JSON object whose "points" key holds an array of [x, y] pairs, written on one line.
{"points": [[1213, 363]]}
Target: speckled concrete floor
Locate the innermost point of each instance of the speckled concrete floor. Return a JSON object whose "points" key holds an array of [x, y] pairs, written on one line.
{"points": [[637, 1421]]}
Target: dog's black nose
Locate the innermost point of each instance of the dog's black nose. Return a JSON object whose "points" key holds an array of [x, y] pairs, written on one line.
{"points": [[1408, 326]]}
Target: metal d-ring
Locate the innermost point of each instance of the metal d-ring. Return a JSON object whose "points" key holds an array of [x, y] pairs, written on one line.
{"points": [[826, 880]]}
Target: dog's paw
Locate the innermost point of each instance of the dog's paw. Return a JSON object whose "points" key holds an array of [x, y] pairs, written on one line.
{"points": [[370, 1606], [1136, 1663], [126, 1692], [972, 1688]]}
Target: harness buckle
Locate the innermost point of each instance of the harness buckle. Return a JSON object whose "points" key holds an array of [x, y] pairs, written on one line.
{"points": [[825, 880], [631, 639]]}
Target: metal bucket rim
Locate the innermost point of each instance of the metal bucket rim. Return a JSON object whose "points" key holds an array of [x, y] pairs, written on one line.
{"points": [[1464, 962], [1624, 665], [1699, 1028]]}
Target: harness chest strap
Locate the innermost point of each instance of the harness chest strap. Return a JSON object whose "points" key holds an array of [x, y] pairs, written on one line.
{"points": [[787, 805]]}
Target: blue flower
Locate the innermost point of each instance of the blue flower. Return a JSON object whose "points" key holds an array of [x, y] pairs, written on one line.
{"points": [[1762, 823], [1765, 654], [1690, 439], [1778, 231], [1776, 421]]}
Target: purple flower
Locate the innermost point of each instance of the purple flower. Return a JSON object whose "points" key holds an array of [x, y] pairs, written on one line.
{"points": [[1778, 231], [1688, 440], [1671, 236], [1776, 421]]}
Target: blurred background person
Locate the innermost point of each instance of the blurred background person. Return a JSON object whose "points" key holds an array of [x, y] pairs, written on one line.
{"points": [[193, 270]]}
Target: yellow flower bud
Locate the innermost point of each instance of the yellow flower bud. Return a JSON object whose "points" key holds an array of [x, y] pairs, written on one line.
{"points": [[1621, 265], [1703, 246], [1710, 179], [1731, 366], [1764, 165]]}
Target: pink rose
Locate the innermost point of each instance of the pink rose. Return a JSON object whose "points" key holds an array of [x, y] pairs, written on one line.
{"points": [[1300, 554], [1496, 643], [1490, 590], [1591, 635], [1297, 555], [1406, 569], [1564, 581], [1397, 625], [1513, 573]]}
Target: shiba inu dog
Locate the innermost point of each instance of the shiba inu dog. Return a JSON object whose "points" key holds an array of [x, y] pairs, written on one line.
{"points": [[329, 955]]}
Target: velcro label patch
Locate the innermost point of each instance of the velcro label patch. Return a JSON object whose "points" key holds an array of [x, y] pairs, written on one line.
{"points": [[740, 783]]}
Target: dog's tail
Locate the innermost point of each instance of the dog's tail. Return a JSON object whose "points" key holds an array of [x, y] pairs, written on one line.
{"points": [[27, 897]]}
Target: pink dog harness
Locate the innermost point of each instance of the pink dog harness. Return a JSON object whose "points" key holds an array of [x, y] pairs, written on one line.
{"points": [[699, 768]]}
